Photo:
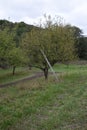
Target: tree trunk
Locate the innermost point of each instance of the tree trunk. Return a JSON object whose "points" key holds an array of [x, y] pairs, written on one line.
{"points": [[13, 70], [46, 73], [30, 67]]}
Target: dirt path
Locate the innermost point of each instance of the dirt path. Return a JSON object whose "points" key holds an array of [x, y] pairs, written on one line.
{"points": [[37, 75]]}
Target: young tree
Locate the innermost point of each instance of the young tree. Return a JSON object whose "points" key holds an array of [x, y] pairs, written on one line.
{"points": [[56, 41]]}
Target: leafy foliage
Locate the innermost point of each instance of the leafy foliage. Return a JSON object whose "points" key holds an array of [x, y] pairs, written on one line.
{"points": [[82, 48], [10, 39], [56, 41], [6, 45], [10, 55], [59, 42]]}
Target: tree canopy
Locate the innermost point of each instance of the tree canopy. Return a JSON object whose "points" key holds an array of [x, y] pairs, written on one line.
{"points": [[21, 43], [56, 41], [10, 55]]}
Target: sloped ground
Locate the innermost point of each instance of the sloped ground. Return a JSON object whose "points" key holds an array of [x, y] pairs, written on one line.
{"points": [[40, 105]]}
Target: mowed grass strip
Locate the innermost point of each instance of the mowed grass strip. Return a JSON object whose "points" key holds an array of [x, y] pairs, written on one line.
{"points": [[41, 105], [6, 75]]}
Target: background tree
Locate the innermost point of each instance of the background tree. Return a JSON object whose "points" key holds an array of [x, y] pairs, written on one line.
{"points": [[82, 48], [16, 58], [77, 32], [10, 55], [56, 41], [6, 44], [80, 41]]}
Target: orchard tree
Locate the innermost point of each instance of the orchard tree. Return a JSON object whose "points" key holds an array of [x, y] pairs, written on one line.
{"points": [[6, 44], [10, 55], [54, 39], [16, 58]]}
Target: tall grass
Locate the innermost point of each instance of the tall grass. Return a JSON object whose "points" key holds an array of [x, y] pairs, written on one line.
{"points": [[46, 105]]}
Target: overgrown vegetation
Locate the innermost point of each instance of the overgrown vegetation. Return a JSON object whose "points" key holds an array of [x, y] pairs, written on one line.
{"points": [[41, 105]]}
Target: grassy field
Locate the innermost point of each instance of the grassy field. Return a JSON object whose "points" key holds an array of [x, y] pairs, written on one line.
{"points": [[7, 76], [46, 105]]}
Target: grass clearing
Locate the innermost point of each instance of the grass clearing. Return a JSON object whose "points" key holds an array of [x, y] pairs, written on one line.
{"points": [[41, 105], [70, 68]]}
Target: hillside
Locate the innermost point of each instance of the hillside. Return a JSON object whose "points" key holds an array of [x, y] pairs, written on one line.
{"points": [[17, 28]]}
